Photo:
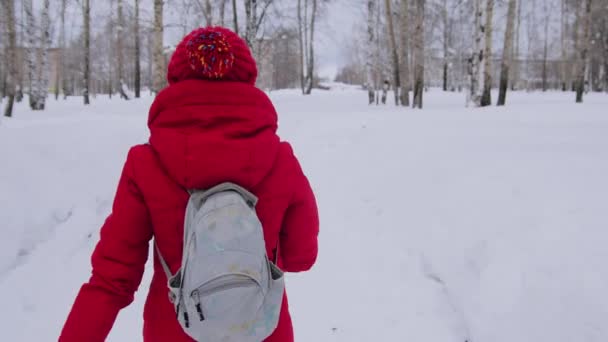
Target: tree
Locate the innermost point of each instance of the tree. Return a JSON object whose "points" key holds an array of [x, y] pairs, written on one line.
{"points": [[9, 12], [222, 12], [43, 70], [159, 57], [87, 50], [393, 47], [30, 53], [507, 52], [419, 54], [370, 51], [547, 15], [446, 43], [477, 57], [137, 52], [583, 51], [121, 32], [306, 33], [486, 97], [405, 67], [563, 33], [235, 17], [62, 55]]}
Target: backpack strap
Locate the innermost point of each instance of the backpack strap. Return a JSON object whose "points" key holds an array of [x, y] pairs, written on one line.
{"points": [[162, 261]]}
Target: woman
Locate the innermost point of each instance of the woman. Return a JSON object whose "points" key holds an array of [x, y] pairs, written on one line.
{"points": [[209, 126]]}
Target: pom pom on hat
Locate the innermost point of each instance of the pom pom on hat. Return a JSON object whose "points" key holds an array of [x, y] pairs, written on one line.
{"points": [[212, 53]]}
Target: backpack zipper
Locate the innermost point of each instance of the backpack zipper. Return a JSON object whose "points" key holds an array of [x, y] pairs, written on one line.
{"points": [[219, 286]]}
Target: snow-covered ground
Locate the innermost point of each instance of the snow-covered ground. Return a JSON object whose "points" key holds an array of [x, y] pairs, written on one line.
{"points": [[447, 224]]}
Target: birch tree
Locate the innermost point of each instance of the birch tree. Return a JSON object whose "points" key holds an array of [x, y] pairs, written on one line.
{"points": [[547, 18], [306, 32], [30, 53], [563, 33], [394, 53], [370, 51], [159, 57], [477, 57], [59, 78], [486, 97], [583, 52], [120, 38], [9, 20], [235, 17], [405, 67], [507, 53], [42, 74], [419, 54], [87, 50], [137, 52]]}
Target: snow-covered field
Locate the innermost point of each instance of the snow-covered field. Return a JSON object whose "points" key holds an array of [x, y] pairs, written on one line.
{"points": [[447, 224]]}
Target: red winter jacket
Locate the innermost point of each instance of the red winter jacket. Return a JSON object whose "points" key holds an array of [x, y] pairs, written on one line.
{"points": [[202, 133]]}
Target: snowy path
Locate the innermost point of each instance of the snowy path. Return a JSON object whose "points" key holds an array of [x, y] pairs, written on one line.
{"points": [[447, 224]]}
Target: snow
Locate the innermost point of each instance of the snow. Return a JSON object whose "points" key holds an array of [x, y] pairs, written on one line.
{"points": [[447, 224]]}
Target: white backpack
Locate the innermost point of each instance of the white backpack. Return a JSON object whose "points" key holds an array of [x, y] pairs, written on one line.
{"points": [[226, 289]]}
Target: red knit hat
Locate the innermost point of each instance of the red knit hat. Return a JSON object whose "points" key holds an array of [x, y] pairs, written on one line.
{"points": [[212, 53]]}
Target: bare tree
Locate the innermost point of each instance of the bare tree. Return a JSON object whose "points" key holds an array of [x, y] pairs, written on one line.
{"points": [[30, 53], [507, 53], [9, 12], [583, 51], [306, 38], [394, 53], [222, 12], [419, 54], [477, 57], [120, 36], [547, 18], [137, 52], [59, 77], [446, 40], [486, 97], [370, 51], [87, 50], [235, 17], [208, 13], [563, 33], [405, 67], [159, 57], [42, 74]]}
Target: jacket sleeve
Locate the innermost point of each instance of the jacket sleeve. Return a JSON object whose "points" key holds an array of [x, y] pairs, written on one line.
{"points": [[118, 263], [298, 239]]}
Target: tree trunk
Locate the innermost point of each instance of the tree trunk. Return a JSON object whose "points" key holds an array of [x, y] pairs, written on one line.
{"points": [[370, 51], [584, 51], [547, 14], [120, 51], [478, 56], [137, 53], [87, 50], [222, 12], [59, 77], [30, 53], [563, 33], [405, 67], [395, 54], [310, 67], [159, 57], [42, 74], [506, 54], [516, 57], [208, 13], [486, 97], [235, 17], [9, 7], [301, 46], [446, 35], [419, 54]]}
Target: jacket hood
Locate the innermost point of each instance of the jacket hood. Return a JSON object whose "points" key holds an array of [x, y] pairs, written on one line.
{"points": [[207, 132]]}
